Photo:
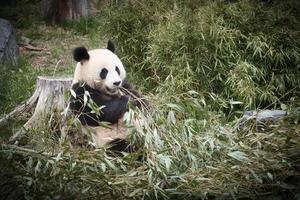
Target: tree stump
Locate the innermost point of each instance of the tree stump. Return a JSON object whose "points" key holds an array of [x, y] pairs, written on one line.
{"points": [[48, 97], [58, 10]]}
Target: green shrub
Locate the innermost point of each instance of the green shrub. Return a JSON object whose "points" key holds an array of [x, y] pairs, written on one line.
{"points": [[17, 84], [245, 51]]}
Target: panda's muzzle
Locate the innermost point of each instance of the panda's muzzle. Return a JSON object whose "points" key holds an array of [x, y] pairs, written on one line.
{"points": [[114, 90], [99, 85]]}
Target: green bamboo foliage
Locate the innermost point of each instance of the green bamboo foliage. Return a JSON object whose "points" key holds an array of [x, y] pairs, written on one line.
{"points": [[246, 51], [185, 153]]}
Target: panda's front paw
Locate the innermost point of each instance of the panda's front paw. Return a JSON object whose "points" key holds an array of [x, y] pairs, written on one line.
{"points": [[124, 98]]}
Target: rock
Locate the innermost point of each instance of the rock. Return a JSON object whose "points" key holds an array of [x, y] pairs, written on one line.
{"points": [[264, 118], [9, 50], [263, 115]]}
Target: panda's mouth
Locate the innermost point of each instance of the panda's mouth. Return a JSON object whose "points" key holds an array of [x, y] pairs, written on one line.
{"points": [[99, 85], [112, 90]]}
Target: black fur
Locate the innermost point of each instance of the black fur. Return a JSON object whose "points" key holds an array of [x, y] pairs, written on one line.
{"points": [[80, 53], [110, 46], [114, 107], [120, 145], [117, 70], [103, 73]]}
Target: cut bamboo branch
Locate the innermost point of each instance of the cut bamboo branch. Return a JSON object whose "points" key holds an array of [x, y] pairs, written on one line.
{"points": [[49, 97]]}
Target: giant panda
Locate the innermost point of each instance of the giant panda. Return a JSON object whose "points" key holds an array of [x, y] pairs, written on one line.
{"points": [[99, 81]]}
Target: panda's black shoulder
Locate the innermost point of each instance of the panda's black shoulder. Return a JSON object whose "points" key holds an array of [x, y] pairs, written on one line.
{"points": [[80, 88], [77, 88]]}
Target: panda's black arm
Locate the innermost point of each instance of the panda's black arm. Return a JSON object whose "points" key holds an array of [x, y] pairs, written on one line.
{"points": [[112, 108]]}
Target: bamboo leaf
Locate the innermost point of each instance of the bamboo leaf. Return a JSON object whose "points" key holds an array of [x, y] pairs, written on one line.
{"points": [[240, 156]]}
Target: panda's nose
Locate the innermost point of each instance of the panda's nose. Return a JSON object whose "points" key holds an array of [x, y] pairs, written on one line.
{"points": [[117, 83]]}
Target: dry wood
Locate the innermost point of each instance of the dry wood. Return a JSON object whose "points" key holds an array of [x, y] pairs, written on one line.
{"points": [[49, 97], [25, 107], [59, 10], [29, 47]]}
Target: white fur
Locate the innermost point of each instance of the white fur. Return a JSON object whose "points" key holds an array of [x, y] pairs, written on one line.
{"points": [[104, 135], [89, 70]]}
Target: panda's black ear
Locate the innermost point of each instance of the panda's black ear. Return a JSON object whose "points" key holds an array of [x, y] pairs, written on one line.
{"points": [[110, 46], [80, 54]]}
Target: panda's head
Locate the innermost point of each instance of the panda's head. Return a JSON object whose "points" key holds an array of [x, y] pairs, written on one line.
{"points": [[100, 68]]}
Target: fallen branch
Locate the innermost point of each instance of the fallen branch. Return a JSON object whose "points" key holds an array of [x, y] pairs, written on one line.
{"points": [[49, 155], [32, 48]]}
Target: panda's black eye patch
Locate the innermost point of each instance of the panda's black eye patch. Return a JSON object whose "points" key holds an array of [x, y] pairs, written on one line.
{"points": [[103, 73], [118, 70]]}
